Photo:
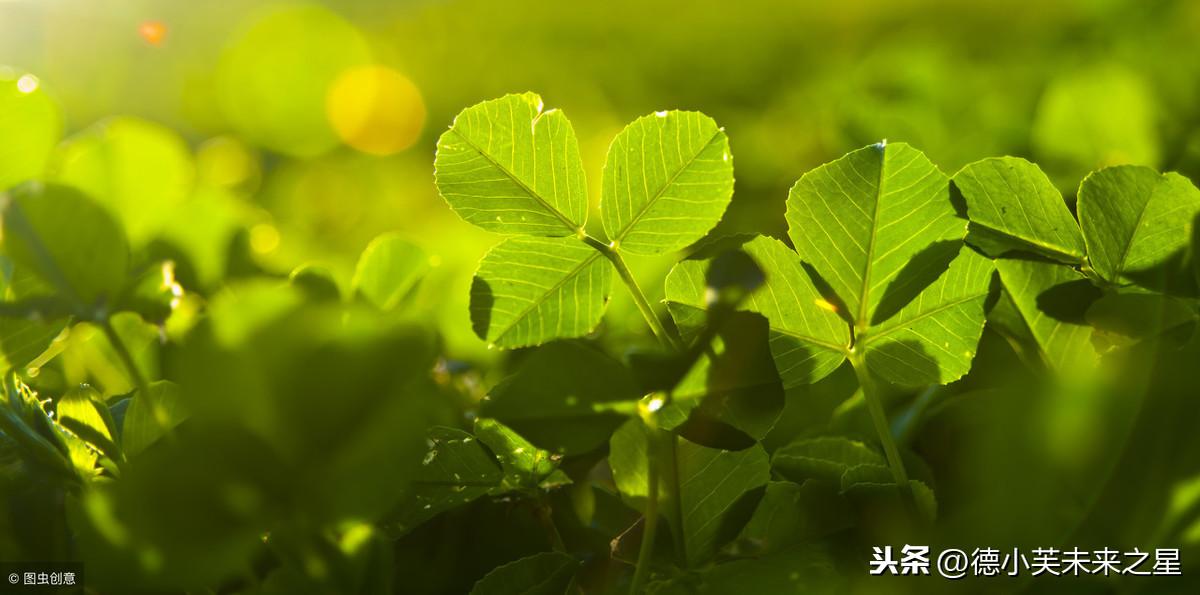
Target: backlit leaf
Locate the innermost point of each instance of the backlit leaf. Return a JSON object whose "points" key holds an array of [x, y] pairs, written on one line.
{"points": [[932, 340], [861, 219], [1011, 200], [667, 180], [510, 167], [530, 290], [1051, 300], [1134, 218], [807, 338]]}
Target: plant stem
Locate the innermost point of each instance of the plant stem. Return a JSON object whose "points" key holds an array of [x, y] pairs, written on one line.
{"points": [[639, 298], [139, 381], [879, 417], [545, 516], [650, 524]]}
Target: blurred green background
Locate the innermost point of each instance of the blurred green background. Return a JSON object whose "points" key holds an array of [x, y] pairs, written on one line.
{"points": [[314, 124], [263, 135]]}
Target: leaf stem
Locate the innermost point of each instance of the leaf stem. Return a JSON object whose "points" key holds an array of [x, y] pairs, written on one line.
{"points": [[546, 518], [879, 417], [610, 252], [650, 525], [135, 373]]}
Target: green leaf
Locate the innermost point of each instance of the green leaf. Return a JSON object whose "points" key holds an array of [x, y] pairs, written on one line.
{"points": [[510, 167], [316, 283], [140, 429], [30, 124], [1051, 300], [525, 466], [799, 570], [667, 180], [1134, 218], [72, 244], [547, 573], [1122, 319], [139, 170], [778, 521], [807, 338], [455, 471], [711, 482], [860, 220], [932, 340], [553, 398], [388, 270], [25, 337], [826, 458], [530, 290], [734, 382], [78, 412], [1015, 204]]}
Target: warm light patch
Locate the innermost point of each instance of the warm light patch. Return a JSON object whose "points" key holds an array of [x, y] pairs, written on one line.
{"points": [[824, 305], [153, 32], [375, 110]]}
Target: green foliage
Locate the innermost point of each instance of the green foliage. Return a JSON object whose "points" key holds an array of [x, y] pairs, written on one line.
{"points": [[667, 180], [197, 416]]}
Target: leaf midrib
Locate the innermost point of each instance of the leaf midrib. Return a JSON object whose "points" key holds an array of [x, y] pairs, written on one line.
{"points": [[902, 324], [549, 290], [566, 221], [864, 294], [1055, 250], [620, 235]]}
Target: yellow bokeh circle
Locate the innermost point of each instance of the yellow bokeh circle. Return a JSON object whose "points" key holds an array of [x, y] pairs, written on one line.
{"points": [[375, 110]]}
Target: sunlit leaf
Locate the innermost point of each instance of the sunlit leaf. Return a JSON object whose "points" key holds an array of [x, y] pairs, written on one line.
{"points": [[1012, 202], [862, 219], [932, 339], [1052, 300], [807, 338], [667, 180], [1134, 219], [524, 465], [510, 167], [530, 290]]}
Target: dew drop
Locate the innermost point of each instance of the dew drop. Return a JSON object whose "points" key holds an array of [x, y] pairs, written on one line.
{"points": [[661, 114]]}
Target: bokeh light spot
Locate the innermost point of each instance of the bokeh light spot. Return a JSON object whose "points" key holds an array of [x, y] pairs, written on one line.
{"points": [[27, 84], [272, 81], [264, 238], [153, 32], [375, 109]]}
